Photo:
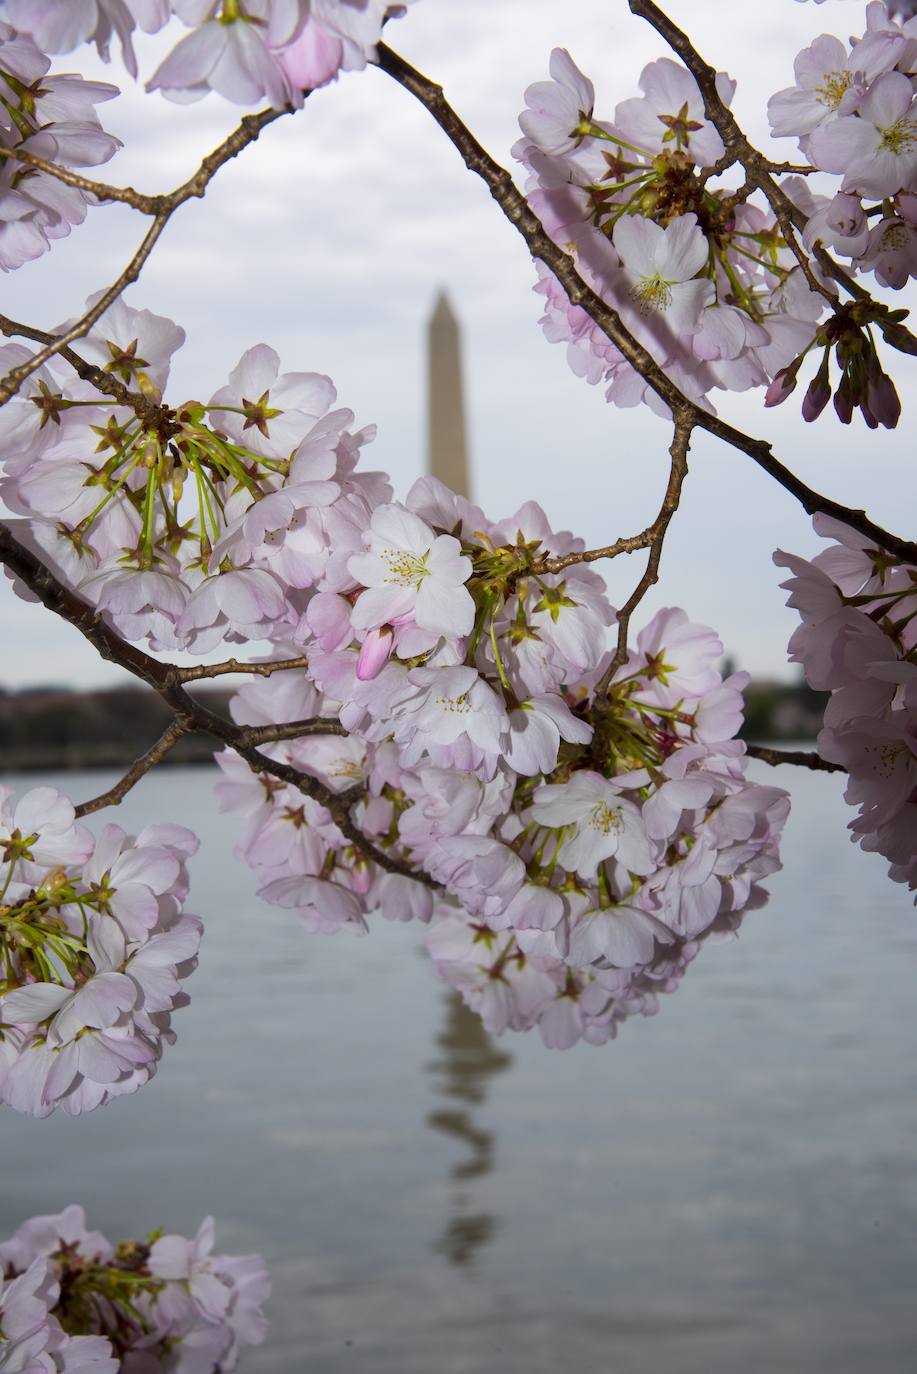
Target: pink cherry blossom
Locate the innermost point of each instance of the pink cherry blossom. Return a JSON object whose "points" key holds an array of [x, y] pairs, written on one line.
{"points": [[876, 149], [187, 1304], [671, 110], [604, 823], [408, 568], [558, 108], [661, 265]]}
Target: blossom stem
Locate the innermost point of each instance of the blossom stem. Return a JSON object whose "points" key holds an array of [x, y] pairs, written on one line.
{"points": [[203, 500], [592, 130], [87, 521], [501, 671]]}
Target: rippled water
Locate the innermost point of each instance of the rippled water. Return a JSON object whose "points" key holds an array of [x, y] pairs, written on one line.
{"points": [[731, 1185]]}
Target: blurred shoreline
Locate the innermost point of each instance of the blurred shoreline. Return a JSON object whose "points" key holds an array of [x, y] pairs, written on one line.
{"points": [[51, 727]]}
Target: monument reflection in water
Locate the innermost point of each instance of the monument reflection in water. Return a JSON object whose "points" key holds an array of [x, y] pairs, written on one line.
{"points": [[469, 1060]]}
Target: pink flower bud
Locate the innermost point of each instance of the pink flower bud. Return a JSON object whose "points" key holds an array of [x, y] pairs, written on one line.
{"points": [[375, 652], [783, 385], [818, 394], [883, 400], [844, 401], [361, 878]]}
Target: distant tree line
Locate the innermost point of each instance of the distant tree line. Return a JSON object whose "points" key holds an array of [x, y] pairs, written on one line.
{"points": [[54, 727]]}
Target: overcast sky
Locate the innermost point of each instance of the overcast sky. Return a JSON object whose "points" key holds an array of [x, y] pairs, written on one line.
{"points": [[331, 237]]}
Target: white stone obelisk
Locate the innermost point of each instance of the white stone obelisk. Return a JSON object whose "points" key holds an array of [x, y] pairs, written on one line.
{"points": [[448, 454]]}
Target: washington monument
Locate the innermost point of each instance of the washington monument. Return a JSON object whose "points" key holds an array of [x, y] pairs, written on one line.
{"points": [[446, 447]]}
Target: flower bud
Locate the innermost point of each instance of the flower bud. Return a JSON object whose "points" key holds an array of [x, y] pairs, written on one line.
{"points": [[151, 451], [782, 386], [846, 215], [883, 400], [844, 400], [818, 394], [361, 877], [375, 652]]}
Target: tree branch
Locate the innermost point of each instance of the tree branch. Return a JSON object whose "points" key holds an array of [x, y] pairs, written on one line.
{"points": [[681, 443], [232, 665], [146, 409], [246, 132], [165, 679], [161, 208], [178, 727], [292, 729], [13, 380], [801, 757], [517, 211], [629, 544]]}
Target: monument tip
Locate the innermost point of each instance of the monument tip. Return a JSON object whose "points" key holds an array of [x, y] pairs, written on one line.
{"points": [[442, 307]]}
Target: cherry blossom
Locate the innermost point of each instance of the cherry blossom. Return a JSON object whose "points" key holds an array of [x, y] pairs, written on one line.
{"points": [[455, 776], [51, 117], [857, 641], [671, 112], [186, 1304], [829, 84], [94, 949], [409, 569], [558, 108], [570, 835], [876, 149], [247, 50], [712, 294], [604, 824], [58, 26]]}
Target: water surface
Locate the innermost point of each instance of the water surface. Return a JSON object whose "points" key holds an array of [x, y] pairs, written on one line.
{"points": [[729, 1185]]}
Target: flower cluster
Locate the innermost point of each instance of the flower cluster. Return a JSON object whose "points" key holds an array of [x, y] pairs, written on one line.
{"points": [[571, 849], [52, 118], [700, 276], [853, 110], [246, 50], [93, 949], [456, 660], [72, 1302], [272, 508], [858, 641]]}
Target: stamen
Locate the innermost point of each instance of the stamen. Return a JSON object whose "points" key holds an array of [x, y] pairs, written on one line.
{"points": [[605, 819], [833, 89], [652, 293]]}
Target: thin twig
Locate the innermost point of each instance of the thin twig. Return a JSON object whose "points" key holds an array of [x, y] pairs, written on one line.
{"points": [[177, 728], [517, 211], [803, 758], [246, 132], [147, 205], [17, 375], [678, 451], [161, 208], [291, 729], [233, 665], [144, 407], [630, 544], [799, 169]]}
